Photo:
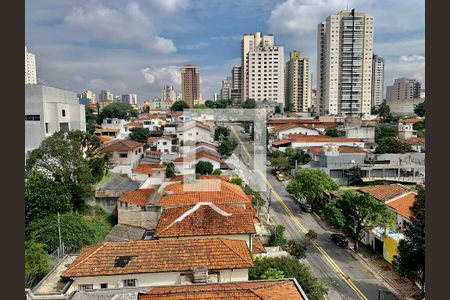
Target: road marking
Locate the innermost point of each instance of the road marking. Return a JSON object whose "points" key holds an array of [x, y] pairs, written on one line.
{"points": [[304, 230]]}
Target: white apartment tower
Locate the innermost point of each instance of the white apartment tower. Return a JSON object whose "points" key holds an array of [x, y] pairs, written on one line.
{"points": [[106, 96], [225, 91], [344, 64], [377, 80], [262, 66], [236, 79], [298, 89], [403, 89], [30, 68], [130, 99], [169, 93]]}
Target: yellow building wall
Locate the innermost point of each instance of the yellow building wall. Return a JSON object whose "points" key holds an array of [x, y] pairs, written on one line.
{"points": [[390, 248]]}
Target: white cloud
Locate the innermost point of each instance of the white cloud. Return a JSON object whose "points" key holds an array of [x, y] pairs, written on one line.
{"points": [[234, 37], [127, 26], [160, 76], [195, 46], [409, 58], [170, 5]]}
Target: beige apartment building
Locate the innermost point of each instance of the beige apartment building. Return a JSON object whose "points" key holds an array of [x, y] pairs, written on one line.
{"points": [[190, 84], [298, 89], [30, 68]]}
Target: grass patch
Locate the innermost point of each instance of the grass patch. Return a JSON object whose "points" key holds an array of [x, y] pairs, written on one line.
{"points": [[349, 188]]}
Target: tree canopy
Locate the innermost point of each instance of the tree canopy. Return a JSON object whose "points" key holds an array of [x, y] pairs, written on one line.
{"points": [[392, 145], [227, 146], [358, 213], [170, 170], [179, 106], [221, 131], [419, 109], [117, 110], [313, 185], [333, 132], [90, 119], [139, 134], [37, 263], [204, 167], [410, 260], [249, 103]]}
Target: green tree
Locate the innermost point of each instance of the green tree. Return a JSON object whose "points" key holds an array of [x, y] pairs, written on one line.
{"points": [[90, 119], [117, 110], [146, 109], [277, 235], [296, 155], [382, 132], [410, 260], [217, 172], [278, 160], [392, 145], [257, 200], [210, 104], [237, 180], [200, 106], [291, 268], [203, 167], [249, 103], [44, 197], [227, 146], [170, 170], [333, 132], [277, 109], [37, 263], [98, 167], [358, 213], [179, 106], [384, 110], [419, 109], [139, 134], [272, 273], [221, 131], [313, 185], [296, 249]]}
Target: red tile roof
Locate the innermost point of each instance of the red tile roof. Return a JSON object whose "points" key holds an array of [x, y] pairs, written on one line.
{"points": [[410, 120], [283, 127], [134, 124], [415, 141], [153, 152], [105, 140], [302, 138], [402, 205], [137, 197], [312, 123], [281, 143], [215, 191], [199, 155], [147, 168], [341, 149], [181, 177], [257, 246], [122, 146], [275, 289], [385, 192], [205, 219], [155, 256]]}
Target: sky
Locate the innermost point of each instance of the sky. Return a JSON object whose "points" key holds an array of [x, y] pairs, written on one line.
{"points": [[140, 46]]}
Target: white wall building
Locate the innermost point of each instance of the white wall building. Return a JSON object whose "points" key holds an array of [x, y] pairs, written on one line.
{"points": [[225, 91], [129, 98], [169, 93], [262, 68], [298, 89], [377, 80], [30, 68], [106, 96], [49, 109], [403, 89], [344, 64]]}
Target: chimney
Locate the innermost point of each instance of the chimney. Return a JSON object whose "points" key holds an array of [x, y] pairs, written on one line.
{"points": [[200, 274]]}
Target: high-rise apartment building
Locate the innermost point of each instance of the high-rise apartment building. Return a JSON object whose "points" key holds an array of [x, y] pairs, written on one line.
{"points": [[236, 83], [298, 90], [105, 96], [225, 91], [129, 98], [169, 93], [377, 80], [190, 84], [344, 64], [30, 68], [90, 95], [262, 66], [403, 89]]}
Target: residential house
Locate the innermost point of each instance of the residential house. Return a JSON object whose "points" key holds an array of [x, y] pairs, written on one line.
{"points": [[146, 170], [316, 124], [201, 147], [274, 289], [166, 144], [417, 144], [152, 121], [114, 125], [315, 152], [206, 220], [281, 131], [182, 164], [302, 141], [129, 126], [150, 263], [192, 132], [136, 208], [125, 155]]}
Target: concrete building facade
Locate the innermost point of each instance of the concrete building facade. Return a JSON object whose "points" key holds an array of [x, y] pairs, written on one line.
{"points": [[403, 89], [225, 91], [190, 84], [344, 64], [169, 93], [30, 68], [236, 79], [49, 109], [298, 89], [130, 99], [377, 80], [106, 96]]}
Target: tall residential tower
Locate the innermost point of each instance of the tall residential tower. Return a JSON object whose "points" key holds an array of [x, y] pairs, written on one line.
{"points": [[30, 68], [403, 89], [298, 90], [377, 80], [190, 84]]}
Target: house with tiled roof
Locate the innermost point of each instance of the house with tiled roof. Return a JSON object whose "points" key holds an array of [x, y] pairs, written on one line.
{"points": [[192, 158], [192, 132], [417, 143], [274, 289], [204, 190], [165, 144], [114, 126], [385, 192], [148, 263], [201, 147], [206, 220], [315, 152], [281, 131], [137, 208], [304, 141], [125, 155], [153, 121]]}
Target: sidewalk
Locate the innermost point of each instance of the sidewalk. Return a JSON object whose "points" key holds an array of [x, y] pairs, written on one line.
{"points": [[404, 288]]}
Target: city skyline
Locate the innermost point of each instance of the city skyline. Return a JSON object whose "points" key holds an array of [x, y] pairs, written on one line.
{"points": [[74, 52]]}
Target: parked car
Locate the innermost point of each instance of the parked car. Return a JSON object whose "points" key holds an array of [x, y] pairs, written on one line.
{"points": [[280, 176], [268, 163], [306, 207], [339, 239], [275, 171]]}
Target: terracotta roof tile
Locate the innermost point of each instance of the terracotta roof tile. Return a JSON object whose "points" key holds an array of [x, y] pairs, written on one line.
{"points": [[385, 192], [153, 152], [402, 205], [156, 256], [415, 141], [281, 142], [283, 127], [199, 155], [341, 149], [320, 138], [147, 168], [105, 140], [410, 120], [122, 146], [215, 191], [257, 246], [205, 219], [134, 124], [138, 197], [280, 289]]}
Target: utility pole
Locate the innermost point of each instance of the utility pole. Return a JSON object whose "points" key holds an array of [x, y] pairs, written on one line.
{"points": [[268, 207], [60, 239]]}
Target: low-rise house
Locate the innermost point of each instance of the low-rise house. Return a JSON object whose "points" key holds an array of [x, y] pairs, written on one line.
{"points": [[201, 147], [153, 121], [166, 144], [129, 126], [315, 152], [192, 132], [146, 170], [316, 124], [136, 208], [282, 131], [274, 289], [417, 144], [305, 141], [125, 155], [125, 233], [206, 220], [191, 159], [107, 132], [115, 125], [159, 263], [215, 191]]}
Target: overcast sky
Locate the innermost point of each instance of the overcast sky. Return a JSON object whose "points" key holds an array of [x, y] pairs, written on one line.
{"points": [[139, 46]]}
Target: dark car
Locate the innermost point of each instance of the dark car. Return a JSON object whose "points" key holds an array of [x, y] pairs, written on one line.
{"points": [[275, 171], [339, 239], [306, 207]]}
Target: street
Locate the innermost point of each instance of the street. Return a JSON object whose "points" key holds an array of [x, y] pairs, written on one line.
{"points": [[343, 275]]}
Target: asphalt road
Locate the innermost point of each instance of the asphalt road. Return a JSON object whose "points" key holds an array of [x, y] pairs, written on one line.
{"points": [[344, 276]]}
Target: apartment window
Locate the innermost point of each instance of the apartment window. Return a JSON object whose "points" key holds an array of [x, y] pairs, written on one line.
{"points": [[129, 282], [64, 127], [46, 127], [103, 285], [85, 287], [63, 112], [123, 155], [32, 117]]}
